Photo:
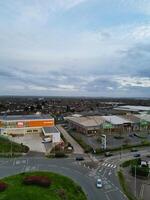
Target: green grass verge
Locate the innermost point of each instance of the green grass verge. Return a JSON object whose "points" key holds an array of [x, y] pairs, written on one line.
{"points": [[125, 186], [128, 163], [6, 146], [17, 190], [124, 147]]}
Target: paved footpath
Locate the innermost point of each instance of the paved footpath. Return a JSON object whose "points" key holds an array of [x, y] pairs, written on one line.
{"points": [[77, 148]]}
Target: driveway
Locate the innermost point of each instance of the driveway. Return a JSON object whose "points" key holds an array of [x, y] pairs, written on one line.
{"points": [[77, 148], [34, 142]]}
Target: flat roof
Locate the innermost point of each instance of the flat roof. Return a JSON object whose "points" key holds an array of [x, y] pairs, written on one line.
{"points": [[133, 108], [90, 121], [50, 129], [116, 120], [131, 117], [145, 117], [24, 117]]}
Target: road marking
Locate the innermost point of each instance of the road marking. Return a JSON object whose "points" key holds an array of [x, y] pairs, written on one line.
{"points": [[111, 166], [141, 191], [109, 173], [114, 166], [107, 196]]}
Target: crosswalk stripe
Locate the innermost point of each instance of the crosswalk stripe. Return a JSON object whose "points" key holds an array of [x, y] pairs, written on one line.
{"points": [[111, 166], [114, 166]]}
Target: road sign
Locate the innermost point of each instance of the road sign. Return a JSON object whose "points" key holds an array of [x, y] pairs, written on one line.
{"points": [[107, 126], [143, 123], [103, 140]]}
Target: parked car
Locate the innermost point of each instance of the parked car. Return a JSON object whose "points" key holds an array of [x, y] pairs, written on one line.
{"points": [[137, 155], [134, 150], [131, 135], [46, 140], [107, 154], [79, 158], [99, 183]]}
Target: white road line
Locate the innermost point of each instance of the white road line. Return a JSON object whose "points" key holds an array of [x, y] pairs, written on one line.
{"points": [[141, 191], [107, 197], [105, 164], [109, 165], [114, 166]]}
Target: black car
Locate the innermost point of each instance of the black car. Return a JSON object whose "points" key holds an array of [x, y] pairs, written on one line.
{"points": [[107, 154], [134, 150], [79, 158], [137, 155]]}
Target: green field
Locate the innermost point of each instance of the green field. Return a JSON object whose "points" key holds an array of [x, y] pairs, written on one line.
{"points": [[6, 146], [18, 191]]}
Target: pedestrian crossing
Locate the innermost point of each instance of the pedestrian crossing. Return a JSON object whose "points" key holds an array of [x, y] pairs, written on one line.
{"points": [[110, 165]]}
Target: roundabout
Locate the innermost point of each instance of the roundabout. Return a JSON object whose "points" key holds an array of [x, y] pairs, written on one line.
{"points": [[40, 185]]}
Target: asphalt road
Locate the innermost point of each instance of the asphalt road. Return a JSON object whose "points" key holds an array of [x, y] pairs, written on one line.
{"points": [[69, 167]]}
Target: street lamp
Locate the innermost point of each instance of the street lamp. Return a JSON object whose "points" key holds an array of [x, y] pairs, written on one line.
{"points": [[121, 151], [135, 180]]}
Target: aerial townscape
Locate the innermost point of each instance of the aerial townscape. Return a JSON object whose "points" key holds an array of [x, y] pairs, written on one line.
{"points": [[75, 100]]}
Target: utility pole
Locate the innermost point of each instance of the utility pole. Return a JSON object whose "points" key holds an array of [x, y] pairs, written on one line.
{"points": [[121, 152], [11, 148], [135, 180]]}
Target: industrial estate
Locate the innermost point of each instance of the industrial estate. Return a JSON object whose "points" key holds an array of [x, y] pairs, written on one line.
{"points": [[106, 146]]}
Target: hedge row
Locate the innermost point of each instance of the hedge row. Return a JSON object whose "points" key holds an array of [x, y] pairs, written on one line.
{"points": [[87, 148], [140, 171], [3, 186], [37, 180], [124, 186]]}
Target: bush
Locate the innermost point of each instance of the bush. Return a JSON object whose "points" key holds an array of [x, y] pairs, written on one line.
{"points": [[37, 180], [3, 186], [140, 171], [62, 194]]}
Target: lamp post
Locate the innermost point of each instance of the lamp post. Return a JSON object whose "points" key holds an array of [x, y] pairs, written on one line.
{"points": [[11, 148], [135, 180], [121, 152]]}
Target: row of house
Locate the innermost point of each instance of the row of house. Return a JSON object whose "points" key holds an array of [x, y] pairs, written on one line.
{"points": [[113, 123]]}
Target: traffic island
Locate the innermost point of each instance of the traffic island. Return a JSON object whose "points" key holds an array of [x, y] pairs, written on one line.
{"points": [[134, 178], [39, 186]]}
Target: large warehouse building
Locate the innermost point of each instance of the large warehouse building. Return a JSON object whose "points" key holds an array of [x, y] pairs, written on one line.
{"points": [[112, 123], [16, 125]]}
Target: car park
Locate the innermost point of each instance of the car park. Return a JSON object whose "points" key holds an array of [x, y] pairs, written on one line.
{"points": [[99, 183]]}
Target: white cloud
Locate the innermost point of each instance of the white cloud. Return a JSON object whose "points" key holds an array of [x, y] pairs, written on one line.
{"points": [[133, 81]]}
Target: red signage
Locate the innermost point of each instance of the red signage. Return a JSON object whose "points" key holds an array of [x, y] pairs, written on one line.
{"points": [[20, 125]]}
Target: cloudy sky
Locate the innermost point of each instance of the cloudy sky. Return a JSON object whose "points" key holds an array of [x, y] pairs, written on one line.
{"points": [[75, 47]]}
